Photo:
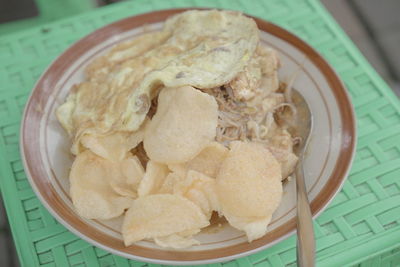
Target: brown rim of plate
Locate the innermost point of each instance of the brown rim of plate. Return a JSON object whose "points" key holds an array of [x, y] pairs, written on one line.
{"points": [[30, 145]]}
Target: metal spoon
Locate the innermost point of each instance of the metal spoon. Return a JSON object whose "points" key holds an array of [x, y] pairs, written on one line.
{"points": [[305, 231]]}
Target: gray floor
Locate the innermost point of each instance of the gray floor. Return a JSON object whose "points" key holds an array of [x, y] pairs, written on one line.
{"points": [[8, 256], [373, 25]]}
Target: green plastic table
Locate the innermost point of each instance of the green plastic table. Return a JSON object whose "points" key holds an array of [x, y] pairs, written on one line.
{"points": [[49, 11], [360, 227]]}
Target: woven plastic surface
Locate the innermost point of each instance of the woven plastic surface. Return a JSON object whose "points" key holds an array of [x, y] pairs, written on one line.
{"points": [[48, 11], [361, 223], [388, 259]]}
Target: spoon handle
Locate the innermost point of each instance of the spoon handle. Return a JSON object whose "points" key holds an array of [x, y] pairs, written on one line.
{"points": [[305, 231]]}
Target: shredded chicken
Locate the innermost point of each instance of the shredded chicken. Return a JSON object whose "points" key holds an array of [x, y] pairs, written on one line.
{"points": [[244, 120], [263, 115]]}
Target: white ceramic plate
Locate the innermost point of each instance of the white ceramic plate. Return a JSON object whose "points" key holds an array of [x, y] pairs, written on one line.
{"points": [[47, 160]]}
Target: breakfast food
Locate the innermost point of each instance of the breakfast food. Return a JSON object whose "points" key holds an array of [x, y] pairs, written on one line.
{"points": [[91, 192], [178, 124], [162, 216], [249, 187], [184, 123]]}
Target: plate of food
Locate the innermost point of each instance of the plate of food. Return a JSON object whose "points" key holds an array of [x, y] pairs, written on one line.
{"points": [[168, 137]]}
